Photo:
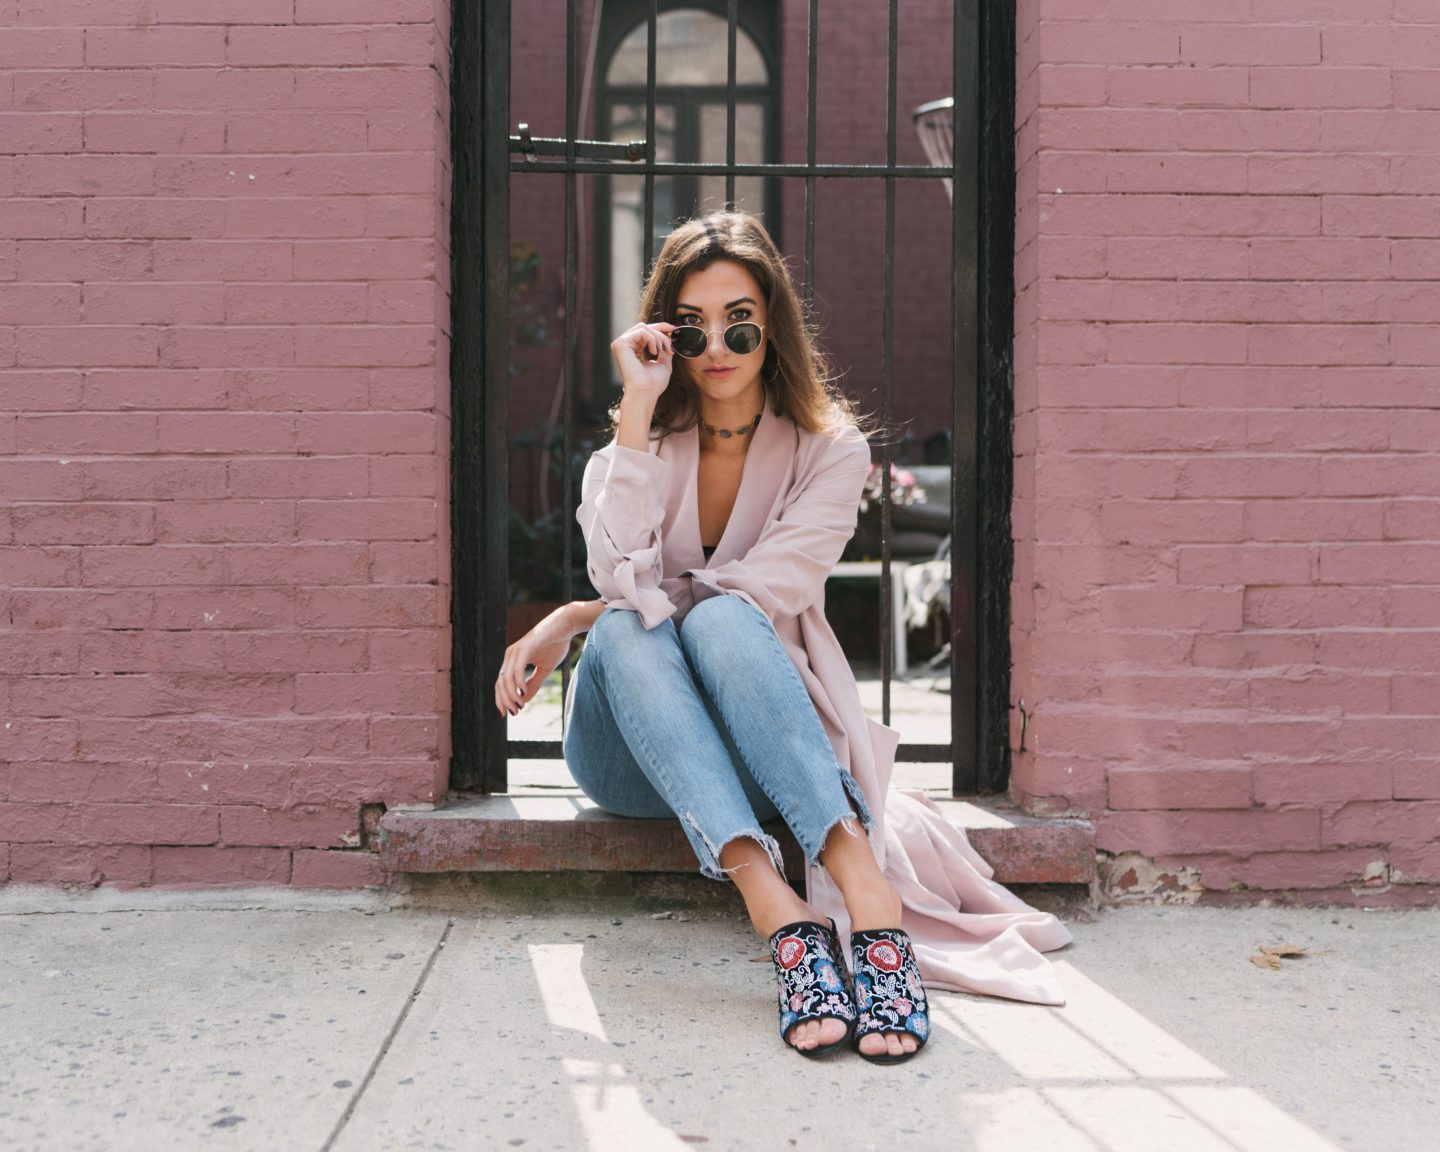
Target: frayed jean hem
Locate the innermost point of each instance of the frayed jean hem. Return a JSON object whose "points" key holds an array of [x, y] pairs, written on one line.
{"points": [[709, 854]]}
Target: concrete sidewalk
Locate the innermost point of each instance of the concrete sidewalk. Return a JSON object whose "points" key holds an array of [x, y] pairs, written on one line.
{"points": [[279, 1020]]}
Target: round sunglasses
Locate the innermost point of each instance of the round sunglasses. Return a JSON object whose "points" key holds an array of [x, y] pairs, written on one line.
{"points": [[691, 341]]}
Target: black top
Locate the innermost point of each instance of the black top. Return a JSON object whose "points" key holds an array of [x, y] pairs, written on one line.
{"points": [[708, 549]]}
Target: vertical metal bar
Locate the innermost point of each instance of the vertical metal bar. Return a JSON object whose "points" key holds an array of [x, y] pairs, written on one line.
{"points": [[887, 607], [567, 406], [468, 725], [648, 242], [734, 19], [495, 494], [992, 134], [964, 363], [812, 53]]}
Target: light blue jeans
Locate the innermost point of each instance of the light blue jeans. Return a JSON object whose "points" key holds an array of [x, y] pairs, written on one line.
{"points": [[708, 722]]}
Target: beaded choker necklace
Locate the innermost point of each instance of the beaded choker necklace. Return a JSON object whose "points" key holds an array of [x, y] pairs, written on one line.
{"points": [[726, 433]]}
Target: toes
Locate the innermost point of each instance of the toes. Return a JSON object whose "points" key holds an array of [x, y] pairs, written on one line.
{"points": [[813, 1033], [830, 1030], [893, 1043]]}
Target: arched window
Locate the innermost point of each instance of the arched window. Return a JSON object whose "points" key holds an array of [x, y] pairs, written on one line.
{"points": [[691, 58]]}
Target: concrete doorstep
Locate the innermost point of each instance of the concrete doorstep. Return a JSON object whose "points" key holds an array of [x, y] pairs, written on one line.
{"points": [[563, 830], [237, 1020]]}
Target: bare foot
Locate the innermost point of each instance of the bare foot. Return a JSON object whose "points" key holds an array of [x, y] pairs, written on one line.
{"points": [[877, 905], [772, 904], [774, 911]]}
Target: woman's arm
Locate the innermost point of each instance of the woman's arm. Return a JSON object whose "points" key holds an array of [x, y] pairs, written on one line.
{"points": [[637, 410], [542, 648], [621, 513], [621, 494], [583, 614]]}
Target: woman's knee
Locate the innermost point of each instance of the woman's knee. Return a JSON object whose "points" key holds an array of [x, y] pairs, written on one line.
{"points": [[633, 797], [621, 628], [613, 619], [718, 617]]}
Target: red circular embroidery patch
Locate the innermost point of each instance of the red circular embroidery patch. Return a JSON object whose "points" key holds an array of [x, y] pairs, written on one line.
{"points": [[884, 955], [791, 951]]}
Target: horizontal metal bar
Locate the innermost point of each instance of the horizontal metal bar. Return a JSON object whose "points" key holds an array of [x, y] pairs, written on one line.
{"points": [[905, 754], [924, 753], [705, 93], [666, 168], [528, 145], [534, 750]]}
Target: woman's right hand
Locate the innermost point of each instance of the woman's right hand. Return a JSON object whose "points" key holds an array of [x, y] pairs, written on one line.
{"points": [[543, 647], [638, 376]]}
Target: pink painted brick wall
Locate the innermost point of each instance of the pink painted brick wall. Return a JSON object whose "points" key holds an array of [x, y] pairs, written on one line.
{"points": [[1227, 514], [224, 441]]}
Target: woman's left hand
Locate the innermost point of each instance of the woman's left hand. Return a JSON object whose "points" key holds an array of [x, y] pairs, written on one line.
{"points": [[544, 646]]}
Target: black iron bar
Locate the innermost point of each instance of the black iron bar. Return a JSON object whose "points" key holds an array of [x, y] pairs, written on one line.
{"points": [[812, 52], [905, 754], [567, 405], [490, 773], [962, 425], [887, 606], [957, 605], [680, 168], [733, 15], [648, 241], [531, 146], [992, 135], [705, 92], [471, 607]]}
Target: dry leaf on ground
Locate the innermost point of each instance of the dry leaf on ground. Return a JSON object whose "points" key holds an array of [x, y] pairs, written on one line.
{"points": [[1270, 954]]}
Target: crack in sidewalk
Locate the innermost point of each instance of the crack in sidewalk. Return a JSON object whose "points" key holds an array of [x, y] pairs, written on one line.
{"points": [[389, 1038]]}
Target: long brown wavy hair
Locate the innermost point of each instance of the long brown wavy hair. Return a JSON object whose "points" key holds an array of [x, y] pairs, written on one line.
{"points": [[798, 377]]}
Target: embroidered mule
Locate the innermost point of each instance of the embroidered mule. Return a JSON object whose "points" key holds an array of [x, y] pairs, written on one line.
{"points": [[812, 984], [888, 991]]}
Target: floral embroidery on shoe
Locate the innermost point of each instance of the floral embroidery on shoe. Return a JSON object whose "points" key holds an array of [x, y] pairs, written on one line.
{"points": [[789, 952], [827, 977], [884, 955]]}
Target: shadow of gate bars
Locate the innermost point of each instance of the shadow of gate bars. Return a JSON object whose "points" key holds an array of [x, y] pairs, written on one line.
{"points": [[489, 145]]}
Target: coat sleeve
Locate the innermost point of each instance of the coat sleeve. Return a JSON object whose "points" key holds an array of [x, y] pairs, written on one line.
{"points": [[620, 515], [786, 569]]}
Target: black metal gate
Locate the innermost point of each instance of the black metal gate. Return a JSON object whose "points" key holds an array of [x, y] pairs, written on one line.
{"points": [[489, 144]]}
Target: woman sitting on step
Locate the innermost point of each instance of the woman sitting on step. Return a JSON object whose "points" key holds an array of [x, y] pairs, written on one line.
{"points": [[711, 687]]}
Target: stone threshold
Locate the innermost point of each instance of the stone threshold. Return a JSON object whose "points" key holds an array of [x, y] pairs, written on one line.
{"points": [[562, 830]]}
